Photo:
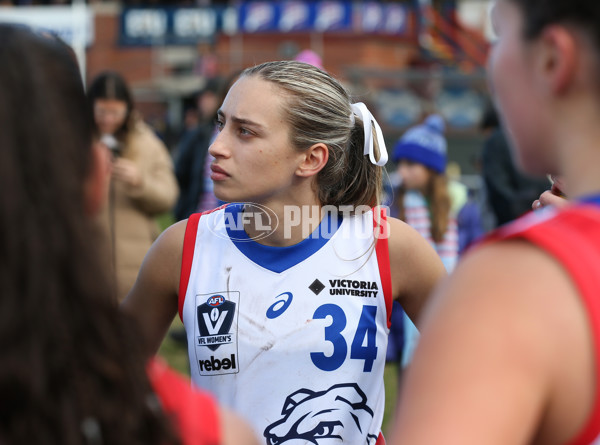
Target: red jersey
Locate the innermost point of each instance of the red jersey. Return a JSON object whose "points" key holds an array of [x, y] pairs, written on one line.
{"points": [[571, 236], [195, 413]]}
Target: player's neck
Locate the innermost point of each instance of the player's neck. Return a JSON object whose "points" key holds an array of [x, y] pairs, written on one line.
{"points": [[578, 162], [294, 221], [582, 178]]}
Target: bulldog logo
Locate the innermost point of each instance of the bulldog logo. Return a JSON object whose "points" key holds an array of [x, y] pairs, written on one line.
{"points": [[338, 414]]}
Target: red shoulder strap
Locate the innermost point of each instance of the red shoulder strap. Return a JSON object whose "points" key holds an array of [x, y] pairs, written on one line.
{"points": [[189, 244], [382, 233], [187, 256]]}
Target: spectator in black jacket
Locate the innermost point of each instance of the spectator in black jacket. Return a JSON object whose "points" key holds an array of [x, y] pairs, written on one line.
{"points": [[192, 162], [509, 192]]}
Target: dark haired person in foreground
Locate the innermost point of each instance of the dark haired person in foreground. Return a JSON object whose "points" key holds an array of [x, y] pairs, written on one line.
{"points": [[72, 370], [509, 352]]}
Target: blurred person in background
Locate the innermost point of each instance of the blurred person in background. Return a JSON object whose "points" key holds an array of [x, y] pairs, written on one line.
{"points": [[192, 160], [143, 184], [423, 198], [509, 191], [73, 369], [423, 201], [465, 207], [311, 57], [469, 222]]}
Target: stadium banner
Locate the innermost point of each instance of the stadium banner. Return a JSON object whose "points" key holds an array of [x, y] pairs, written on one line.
{"points": [[140, 26], [170, 25]]}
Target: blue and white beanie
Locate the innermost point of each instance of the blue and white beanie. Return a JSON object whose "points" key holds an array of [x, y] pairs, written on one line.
{"points": [[424, 144]]}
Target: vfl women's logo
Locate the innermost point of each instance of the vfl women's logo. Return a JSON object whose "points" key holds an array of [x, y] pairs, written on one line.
{"points": [[215, 318], [338, 414]]}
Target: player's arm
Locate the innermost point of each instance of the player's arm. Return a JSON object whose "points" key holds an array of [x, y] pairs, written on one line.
{"points": [[487, 361], [153, 300], [415, 267]]}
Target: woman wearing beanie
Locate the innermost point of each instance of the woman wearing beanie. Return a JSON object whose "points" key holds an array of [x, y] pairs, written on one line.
{"points": [[423, 201], [423, 197]]}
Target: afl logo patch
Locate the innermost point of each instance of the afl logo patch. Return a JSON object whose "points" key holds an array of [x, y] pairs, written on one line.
{"points": [[215, 328], [215, 300], [215, 318]]}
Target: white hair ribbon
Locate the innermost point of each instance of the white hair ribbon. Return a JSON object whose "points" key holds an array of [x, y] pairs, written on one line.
{"points": [[361, 110]]}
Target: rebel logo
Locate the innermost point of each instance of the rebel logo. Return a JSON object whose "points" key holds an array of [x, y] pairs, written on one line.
{"points": [[215, 318], [215, 364]]}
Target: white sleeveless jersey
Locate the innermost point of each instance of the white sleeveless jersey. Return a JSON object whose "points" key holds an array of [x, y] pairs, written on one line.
{"points": [[293, 338]]}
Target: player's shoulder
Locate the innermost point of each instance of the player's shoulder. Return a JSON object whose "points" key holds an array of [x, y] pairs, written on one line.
{"points": [[510, 273], [172, 237], [165, 254], [415, 265]]}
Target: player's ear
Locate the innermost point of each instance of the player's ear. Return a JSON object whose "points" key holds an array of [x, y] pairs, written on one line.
{"points": [[313, 161], [557, 57]]}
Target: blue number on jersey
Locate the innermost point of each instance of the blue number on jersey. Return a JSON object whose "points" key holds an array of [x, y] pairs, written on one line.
{"points": [[367, 327], [333, 333]]}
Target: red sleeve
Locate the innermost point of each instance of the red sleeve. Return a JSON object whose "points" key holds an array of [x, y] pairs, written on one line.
{"points": [[195, 413]]}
